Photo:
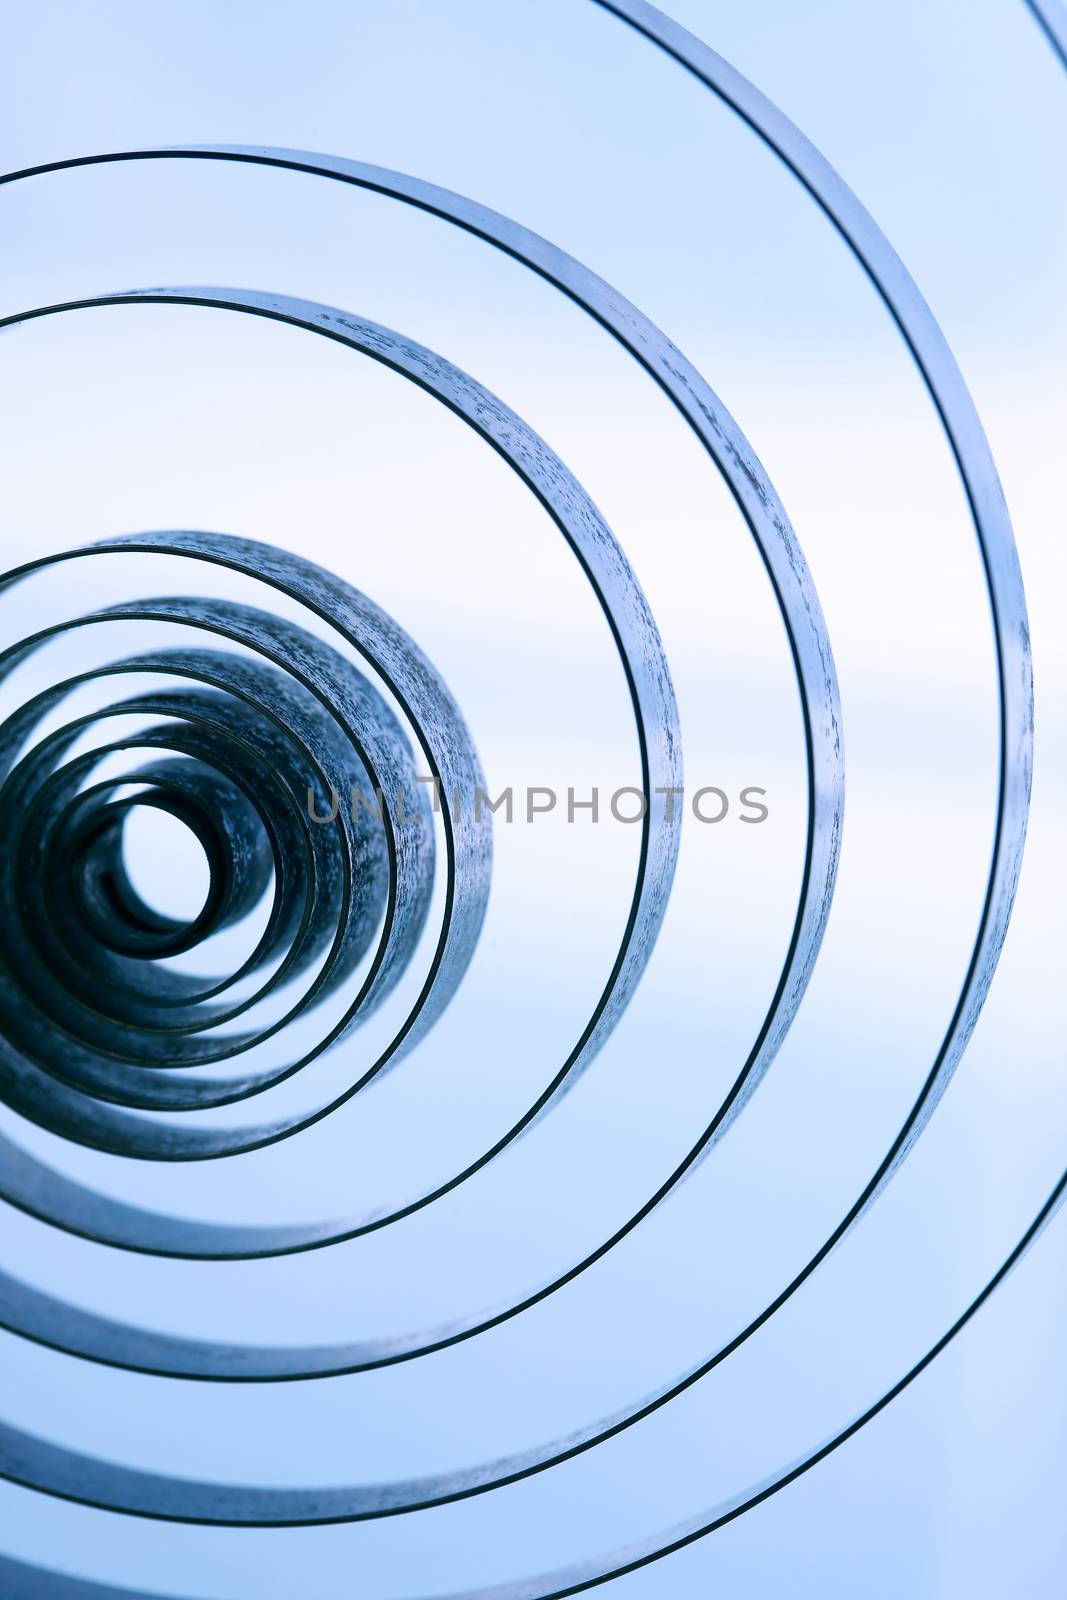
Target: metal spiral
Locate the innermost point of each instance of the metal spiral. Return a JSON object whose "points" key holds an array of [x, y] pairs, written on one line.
{"points": [[98, 1034]]}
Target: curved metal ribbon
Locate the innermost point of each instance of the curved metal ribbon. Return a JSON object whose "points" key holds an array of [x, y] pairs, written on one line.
{"points": [[156, 1496], [805, 628], [1051, 16], [647, 678]]}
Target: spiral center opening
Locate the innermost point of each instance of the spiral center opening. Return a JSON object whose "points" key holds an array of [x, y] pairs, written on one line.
{"points": [[165, 863]]}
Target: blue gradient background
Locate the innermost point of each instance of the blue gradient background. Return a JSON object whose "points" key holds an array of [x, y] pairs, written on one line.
{"points": [[949, 119]]}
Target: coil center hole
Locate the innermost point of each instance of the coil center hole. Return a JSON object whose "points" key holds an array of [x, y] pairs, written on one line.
{"points": [[165, 863]]}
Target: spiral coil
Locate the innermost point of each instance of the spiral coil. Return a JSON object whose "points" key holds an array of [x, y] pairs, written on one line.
{"points": [[246, 714]]}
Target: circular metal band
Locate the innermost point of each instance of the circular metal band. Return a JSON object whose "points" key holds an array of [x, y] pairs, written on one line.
{"points": [[61, 1472]]}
